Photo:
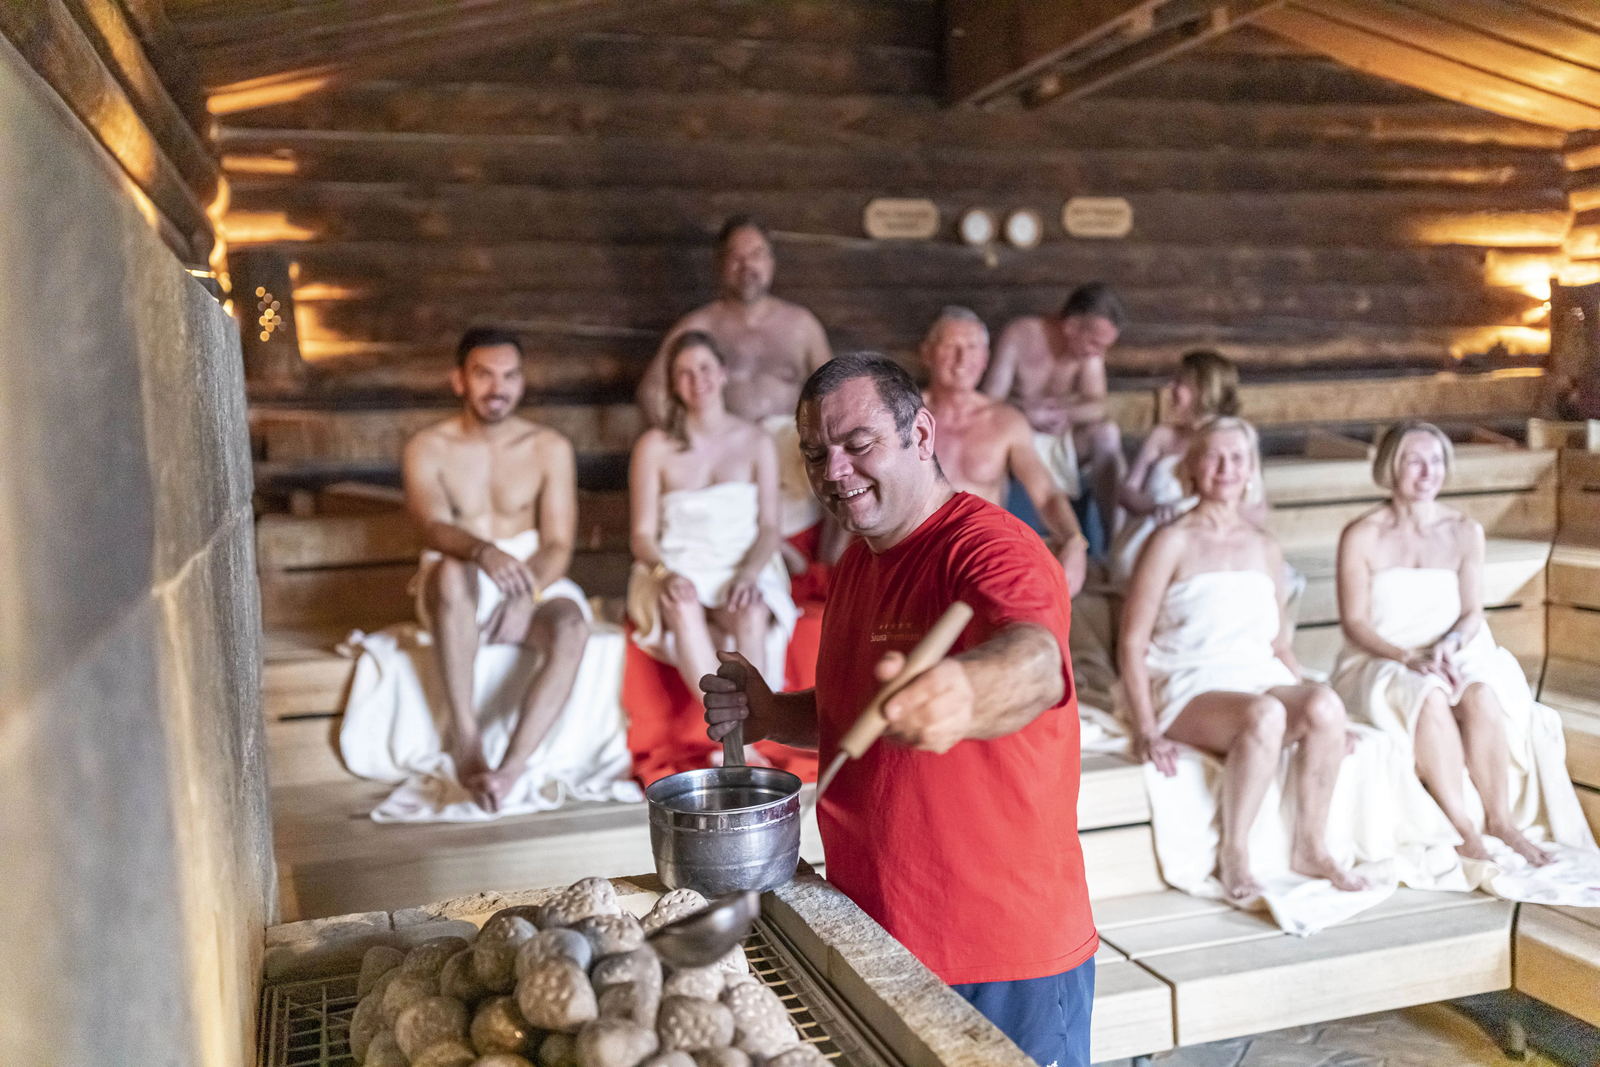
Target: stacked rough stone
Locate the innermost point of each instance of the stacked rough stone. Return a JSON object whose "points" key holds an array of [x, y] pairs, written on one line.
{"points": [[569, 983]]}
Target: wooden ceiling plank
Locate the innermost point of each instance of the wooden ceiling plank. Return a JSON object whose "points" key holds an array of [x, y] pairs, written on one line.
{"points": [[1397, 61], [1583, 12], [1527, 27], [1464, 44], [1152, 50]]}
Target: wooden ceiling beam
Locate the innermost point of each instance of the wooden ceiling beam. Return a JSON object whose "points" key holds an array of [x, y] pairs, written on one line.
{"points": [[994, 47], [1403, 62], [1464, 44], [371, 39], [1584, 12], [1158, 47]]}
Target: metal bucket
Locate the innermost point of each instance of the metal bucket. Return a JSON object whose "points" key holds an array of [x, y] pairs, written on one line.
{"points": [[725, 829]]}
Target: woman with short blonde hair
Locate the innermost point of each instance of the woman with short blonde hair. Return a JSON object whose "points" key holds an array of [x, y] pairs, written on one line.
{"points": [[1206, 663], [1420, 663]]}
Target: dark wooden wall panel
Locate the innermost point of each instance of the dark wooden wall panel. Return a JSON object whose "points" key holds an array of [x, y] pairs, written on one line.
{"points": [[1300, 215]]}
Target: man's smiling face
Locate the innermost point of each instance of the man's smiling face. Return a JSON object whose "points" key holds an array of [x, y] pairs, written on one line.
{"points": [[869, 479]]}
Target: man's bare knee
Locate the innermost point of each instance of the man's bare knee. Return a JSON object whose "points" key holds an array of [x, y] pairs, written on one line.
{"points": [[451, 582], [1106, 439], [752, 616], [567, 624]]}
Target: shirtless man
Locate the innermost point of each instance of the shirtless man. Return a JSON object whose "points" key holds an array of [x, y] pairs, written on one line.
{"points": [[771, 346], [983, 442], [475, 482], [1054, 369]]}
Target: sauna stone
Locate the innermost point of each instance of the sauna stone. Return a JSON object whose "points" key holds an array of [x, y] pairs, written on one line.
{"points": [[499, 1026], [378, 961], [615, 1043], [691, 1024], [556, 995], [429, 1020], [494, 953]]}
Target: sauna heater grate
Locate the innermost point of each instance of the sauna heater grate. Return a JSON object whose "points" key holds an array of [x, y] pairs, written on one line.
{"points": [[307, 1023]]}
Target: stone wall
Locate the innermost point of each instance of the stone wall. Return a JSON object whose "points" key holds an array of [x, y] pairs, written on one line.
{"points": [[136, 871]]}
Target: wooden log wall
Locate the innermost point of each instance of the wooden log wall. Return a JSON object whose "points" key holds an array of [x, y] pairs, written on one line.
{"points": [[1299, 215]]}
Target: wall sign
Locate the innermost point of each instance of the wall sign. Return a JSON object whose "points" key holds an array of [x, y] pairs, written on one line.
{"points": [[1097, 216], [892, 219]]}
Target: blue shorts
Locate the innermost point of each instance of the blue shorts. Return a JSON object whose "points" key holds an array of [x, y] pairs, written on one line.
{"points": [[1048, 1018]]}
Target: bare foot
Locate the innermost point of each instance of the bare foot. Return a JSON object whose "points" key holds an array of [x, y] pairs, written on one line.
{"points": [[1521, 845], [1233, 871], [1472, 849], [1318, 864]]}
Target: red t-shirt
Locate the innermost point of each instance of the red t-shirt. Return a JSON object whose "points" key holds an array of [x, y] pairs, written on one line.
{"points": [[970, 858]]}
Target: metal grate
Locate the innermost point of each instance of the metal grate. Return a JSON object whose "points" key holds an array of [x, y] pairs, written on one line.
{"points": [[822, 1018], [307, 1024]]}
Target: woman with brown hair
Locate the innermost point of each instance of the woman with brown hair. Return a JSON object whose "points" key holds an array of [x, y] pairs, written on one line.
{"points": [[704, 502]]}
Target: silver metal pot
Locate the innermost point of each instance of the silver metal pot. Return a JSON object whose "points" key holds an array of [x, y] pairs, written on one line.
{"points": [[725, 829]]}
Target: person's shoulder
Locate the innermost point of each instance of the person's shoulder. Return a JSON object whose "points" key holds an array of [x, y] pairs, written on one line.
{"points": [[1462, 526], [434, 437], [653, 441], [1007, 420], [986, 529], [703, 317], [747, 432], [1023, 328], [793, 312], [545, 439]]}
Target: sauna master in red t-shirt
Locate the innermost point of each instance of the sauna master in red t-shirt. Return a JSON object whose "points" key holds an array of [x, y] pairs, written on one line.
{"points": [[970, 858]]}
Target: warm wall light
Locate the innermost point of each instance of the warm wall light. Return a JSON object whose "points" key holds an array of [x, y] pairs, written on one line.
{"points": [[1512, 340], [234, 163], [262, 92], [1529, 272], [263, 227], [1493, 229]]}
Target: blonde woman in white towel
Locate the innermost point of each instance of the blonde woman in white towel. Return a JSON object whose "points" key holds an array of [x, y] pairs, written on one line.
{"points": [[705, 514], [1419, 661], [1206, 662]]}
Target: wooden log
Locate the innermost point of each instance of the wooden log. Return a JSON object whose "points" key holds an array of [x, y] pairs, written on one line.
{"points": [[847, 263], [1575, 576], [1120, 862], [1113, 793], [890, 314], [880, 122], [381, 211], [568, 161], [56, 47], [1529, 28], [104, 23]]}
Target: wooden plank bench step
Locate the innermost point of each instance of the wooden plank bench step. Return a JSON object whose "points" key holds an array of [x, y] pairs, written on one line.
{"points": [[1574, 633], [1558, 958], [1268, 983], [1575, 573], [1132, 1012], [1308, 480], [1573, 689]]}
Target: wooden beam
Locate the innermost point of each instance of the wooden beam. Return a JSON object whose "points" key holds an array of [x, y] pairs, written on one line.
{"points": [[53, 44], [1466, 44], [1402, 62], [123, 54], [993, 48], [1581, 11], [1159, 47], [334, 42]]}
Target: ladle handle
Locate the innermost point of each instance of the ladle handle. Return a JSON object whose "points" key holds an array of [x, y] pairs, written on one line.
{"points": [[733, 746], [929, 651]]}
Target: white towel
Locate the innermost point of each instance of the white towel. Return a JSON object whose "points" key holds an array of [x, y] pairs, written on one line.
{"points": [[705, 534], [1161, 482], [1215, 632], [1413, 607], [1060, 456], [798, 506], [397, 714]]}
